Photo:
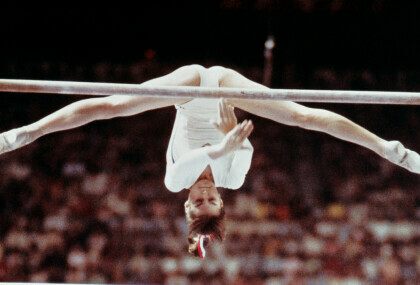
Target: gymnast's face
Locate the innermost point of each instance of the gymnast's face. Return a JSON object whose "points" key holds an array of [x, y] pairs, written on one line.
{"points": [[204, 199]]}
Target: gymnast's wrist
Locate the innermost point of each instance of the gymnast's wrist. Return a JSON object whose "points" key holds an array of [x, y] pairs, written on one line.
{"points": [[215, 151]]}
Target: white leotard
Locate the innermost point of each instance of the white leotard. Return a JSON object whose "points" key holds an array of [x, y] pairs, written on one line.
{"points": [[186, 156]]}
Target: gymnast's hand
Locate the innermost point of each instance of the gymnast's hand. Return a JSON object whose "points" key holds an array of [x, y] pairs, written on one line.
{"points": [[232, 141], [226, 120]]}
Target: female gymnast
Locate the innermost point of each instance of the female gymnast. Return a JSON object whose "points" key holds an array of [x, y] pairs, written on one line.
{"points": [[203, 155]]}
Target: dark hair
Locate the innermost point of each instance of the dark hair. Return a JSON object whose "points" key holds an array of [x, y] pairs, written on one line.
{"points": [[205, 225]]}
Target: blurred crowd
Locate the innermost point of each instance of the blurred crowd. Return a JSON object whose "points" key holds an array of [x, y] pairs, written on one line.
{"points": [[89, 204], [331, 6], [307, 6]]}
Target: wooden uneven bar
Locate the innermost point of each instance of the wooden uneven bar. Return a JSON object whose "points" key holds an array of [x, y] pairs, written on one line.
{"points": [[297, 95]]}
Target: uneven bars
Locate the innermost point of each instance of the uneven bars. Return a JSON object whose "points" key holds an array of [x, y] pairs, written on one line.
{"points": [[297, 95]]}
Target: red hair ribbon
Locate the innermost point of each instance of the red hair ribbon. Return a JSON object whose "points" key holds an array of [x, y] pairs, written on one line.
{"points": [[200, 245]]}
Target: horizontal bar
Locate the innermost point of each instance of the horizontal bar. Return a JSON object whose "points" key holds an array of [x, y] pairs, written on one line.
{"points": [[297, 95]]}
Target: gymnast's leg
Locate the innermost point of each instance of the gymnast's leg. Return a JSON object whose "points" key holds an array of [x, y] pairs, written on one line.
{"points": [[89, 110], [294, 114]]}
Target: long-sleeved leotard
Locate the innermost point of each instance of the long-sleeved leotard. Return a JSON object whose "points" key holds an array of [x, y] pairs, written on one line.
{"points": [[192, 132]]}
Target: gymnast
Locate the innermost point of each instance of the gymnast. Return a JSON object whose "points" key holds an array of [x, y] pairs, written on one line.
{"points": [[208, 148]]}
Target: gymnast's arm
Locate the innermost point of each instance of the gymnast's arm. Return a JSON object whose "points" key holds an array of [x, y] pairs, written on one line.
{"points": [[185, 171], [88, 110], [291, 113], [239, 162], [239, 166]]}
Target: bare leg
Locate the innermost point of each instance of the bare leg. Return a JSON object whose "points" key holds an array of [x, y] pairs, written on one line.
{"points": [[86, 111], [294, 114]]}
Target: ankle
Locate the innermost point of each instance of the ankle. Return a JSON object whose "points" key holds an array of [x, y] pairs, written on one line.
{"points": [[19, 137], [382, 148], [32, 132]]}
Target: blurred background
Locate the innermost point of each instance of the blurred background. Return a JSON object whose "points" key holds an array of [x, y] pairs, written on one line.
{"points": [[89, 205]]}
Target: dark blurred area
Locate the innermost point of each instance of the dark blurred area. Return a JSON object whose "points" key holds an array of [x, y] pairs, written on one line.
{"points": [[89, 205]]}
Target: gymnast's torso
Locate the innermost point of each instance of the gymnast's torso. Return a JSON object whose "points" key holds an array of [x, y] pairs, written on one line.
{"points": [[192, 130]]}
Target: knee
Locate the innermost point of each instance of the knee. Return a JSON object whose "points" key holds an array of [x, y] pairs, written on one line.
{"points": [[107, 109], [301, 118]]}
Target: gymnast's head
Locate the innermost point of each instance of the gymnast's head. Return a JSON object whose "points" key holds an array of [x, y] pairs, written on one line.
{"points": [[203, 200], [204, 213]]}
